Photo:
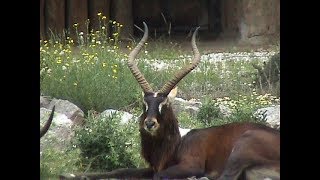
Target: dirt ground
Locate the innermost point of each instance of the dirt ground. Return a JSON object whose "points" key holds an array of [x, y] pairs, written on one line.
{"points": [[208, 45]]}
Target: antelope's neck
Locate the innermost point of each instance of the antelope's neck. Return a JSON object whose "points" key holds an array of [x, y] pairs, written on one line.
{"points": [[159, 151]]}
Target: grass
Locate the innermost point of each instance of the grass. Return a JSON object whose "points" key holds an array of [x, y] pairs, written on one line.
{"points": [[93, 74]]}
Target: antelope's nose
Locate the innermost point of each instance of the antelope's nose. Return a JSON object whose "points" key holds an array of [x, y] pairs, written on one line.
{"points": [[149, 124]]}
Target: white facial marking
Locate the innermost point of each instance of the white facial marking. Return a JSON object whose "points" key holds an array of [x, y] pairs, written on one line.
{"points": [[145, 103]]}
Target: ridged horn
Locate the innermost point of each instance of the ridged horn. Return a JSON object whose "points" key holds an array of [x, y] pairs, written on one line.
{"points": [[183, 72], [133, 66], [45, 128]]}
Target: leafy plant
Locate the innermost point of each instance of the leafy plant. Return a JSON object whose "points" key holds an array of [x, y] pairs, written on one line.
{"points": [[106, 144]]}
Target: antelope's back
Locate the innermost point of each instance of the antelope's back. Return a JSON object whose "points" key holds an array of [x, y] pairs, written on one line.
{"points": [[212, 146]]}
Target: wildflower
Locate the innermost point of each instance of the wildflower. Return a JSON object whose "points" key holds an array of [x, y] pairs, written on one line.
{"points": [[81, 33], [103, 27], [104, 17], [114, 22], [64, 67], [114, 70], [75, 25], [104, 64], [99, 14], [75, 84], [59, 61]]}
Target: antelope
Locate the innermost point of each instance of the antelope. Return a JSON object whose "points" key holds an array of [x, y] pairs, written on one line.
{"points": [[45, 128], [230, 151]]}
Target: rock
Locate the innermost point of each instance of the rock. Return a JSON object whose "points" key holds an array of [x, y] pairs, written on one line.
{"points": [[72, 111], [270, 114], [183, 131], [60, 132], [191, 107], [44, 102], [124, 116], [224, 110]]}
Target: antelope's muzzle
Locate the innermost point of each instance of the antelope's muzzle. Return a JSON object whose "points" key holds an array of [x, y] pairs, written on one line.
{"points": [[151, 124]]}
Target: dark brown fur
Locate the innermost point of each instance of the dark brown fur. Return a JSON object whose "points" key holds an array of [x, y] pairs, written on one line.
{"points": [[204, 152], [159, 150], [255, 155]]}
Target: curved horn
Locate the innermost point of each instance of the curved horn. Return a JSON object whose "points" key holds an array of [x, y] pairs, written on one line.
{"points": [[182, 73], [45, 128], [133, 66]]}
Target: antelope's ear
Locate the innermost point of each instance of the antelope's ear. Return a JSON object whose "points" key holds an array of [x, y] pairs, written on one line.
{"points": [[172, 94]]}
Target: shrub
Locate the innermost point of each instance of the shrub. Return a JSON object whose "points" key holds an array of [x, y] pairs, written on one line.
{"points": [[106, 144], [241, 108], [208, 112], [268, 77]]}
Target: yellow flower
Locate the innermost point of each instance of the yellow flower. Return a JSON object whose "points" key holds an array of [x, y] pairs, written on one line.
{"points": [[104, 64], [114, 70], [104, 17], [99, 14], [75, 84]]}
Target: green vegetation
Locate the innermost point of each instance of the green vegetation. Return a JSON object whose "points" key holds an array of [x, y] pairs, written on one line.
{"points": [[106, 144]]}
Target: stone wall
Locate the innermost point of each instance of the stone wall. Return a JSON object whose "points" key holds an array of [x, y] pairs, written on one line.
{"points": [[251, 20]]}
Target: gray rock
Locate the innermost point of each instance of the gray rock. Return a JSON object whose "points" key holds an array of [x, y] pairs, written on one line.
{"points": [[60, 132], [124, 116], [44, 101], [270, 114], [191, 107], [72, 111], [224, 110]]}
